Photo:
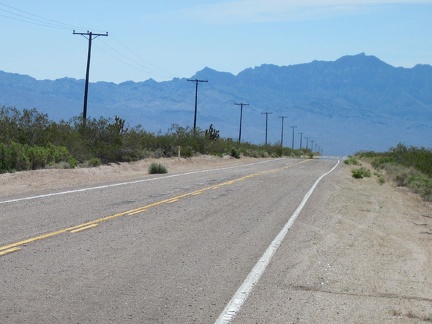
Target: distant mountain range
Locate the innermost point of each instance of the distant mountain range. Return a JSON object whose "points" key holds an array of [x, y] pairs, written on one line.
{"points": [[354, 103]]}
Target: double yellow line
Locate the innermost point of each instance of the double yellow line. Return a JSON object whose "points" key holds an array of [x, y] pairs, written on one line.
{"points": [[13, 247]]}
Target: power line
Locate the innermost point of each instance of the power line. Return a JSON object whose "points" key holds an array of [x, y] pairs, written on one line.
{"points": [[132, 62], [27, 17], [14, 13], [142, 59], [30, 22]]}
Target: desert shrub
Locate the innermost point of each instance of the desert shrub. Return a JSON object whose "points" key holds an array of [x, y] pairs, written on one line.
{"points": [[235, 153], [73, 163], [361, 173], [186, 152], [30, 140], [57, 154], [16, 157], [155, 168], [94, 162], [21, 157], [38, 156], [352, 161]]}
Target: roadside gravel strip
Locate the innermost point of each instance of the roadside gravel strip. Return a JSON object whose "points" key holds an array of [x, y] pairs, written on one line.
{"points": [[125, 183], [243, 292]]}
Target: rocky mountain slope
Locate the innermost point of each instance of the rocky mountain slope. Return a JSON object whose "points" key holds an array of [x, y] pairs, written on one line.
{"points": [[354, 103]]}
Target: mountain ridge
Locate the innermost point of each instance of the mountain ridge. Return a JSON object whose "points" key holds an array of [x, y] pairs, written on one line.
{"points": [[344, 105]]}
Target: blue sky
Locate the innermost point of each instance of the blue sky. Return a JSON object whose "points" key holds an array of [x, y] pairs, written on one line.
{"points": [[171, 38]]}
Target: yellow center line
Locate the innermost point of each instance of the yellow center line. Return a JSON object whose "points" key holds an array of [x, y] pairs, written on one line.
{"points": [[74, 229], [83, 228], [173, 201], [9, 251]]}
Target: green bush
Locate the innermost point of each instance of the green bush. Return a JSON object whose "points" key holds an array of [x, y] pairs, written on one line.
{"points": [[21, 157], [73, 163], [235, 153], [94, 162], [186, 152], [361, 173], [156, 168], [408, 167], [352, 161]]}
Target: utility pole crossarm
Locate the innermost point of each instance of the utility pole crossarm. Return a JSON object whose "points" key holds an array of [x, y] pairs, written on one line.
{"points": [[90, 33]]}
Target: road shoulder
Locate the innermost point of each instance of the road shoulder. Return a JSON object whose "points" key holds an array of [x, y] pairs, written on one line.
{"points": [[359, 253]]}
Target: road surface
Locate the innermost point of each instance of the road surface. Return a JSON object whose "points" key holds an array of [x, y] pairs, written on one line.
{"points": [[169, 248]]}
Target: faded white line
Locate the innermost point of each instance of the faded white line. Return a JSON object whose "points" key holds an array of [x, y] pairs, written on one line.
{"points": [[245, 289], [128, 183]]}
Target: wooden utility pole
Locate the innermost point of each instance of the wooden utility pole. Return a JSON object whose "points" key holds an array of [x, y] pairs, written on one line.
{"points": [[266, 113], [90, 36], [196, 99], [282, 133], [241, 115], [292, 146]]}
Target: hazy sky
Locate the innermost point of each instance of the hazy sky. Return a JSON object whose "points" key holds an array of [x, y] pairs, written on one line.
{"points": [[175, 38]]}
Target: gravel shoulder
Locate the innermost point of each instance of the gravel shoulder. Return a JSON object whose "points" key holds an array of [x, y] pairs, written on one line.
{"points": [[379, 249], [360, 252], [28, 182]]}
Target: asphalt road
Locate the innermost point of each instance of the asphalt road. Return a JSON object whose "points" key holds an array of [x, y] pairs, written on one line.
{"points": [[163, 249]]}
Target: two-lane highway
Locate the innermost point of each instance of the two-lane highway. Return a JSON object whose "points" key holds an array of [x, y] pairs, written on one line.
{"points": [[162, 249]]}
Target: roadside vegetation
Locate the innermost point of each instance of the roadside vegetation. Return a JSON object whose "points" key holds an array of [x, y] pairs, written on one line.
{"points": [[30, 140], [157, 168], [409, 167]]}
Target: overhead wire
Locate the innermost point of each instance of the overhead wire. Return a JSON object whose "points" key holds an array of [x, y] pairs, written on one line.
{"points": [[39, 20], [141, 58], [120, 59], [146, 66], [149, 68]]}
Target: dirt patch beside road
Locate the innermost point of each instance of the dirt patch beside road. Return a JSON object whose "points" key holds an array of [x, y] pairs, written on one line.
{"points": [[378, 252], [28, 182], [363, 256]]}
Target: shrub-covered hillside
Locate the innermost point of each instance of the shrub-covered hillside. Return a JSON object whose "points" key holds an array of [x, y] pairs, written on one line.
{"points": [[409, 167], [30, 140]]}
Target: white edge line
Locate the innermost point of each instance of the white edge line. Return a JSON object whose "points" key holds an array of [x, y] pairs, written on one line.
{"points": [[127, 183], [245, 289]]}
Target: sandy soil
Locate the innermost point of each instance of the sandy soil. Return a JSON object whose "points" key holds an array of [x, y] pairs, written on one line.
{"points": [[377, 243], [28, 182], [374, 252]]}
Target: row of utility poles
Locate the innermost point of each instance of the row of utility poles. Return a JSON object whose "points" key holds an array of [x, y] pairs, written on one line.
{"points": [[91, 36], [241, 104]]}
